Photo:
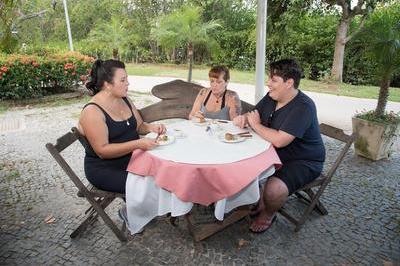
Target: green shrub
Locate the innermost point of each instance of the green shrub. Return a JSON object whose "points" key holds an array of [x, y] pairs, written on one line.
{"points": [[32, 76]]}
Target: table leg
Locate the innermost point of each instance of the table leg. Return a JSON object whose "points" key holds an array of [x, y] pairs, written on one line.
{"points": [[201, 232]]}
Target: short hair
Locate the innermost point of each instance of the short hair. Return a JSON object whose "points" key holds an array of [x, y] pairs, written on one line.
{"points": [[101, 72], [216, 71], [287, 69]]}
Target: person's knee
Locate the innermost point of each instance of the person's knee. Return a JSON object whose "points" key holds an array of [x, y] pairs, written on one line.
{"points": [[275, 189]]}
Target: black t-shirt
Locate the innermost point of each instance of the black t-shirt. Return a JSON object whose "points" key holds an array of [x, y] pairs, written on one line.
{"points": [[299, 119]]}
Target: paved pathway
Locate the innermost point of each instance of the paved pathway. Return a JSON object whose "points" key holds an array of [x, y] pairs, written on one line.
{"points": [[362, 228]]}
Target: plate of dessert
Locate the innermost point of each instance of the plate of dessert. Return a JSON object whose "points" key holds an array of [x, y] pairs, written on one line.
{"points": [[231, 138], [199, 121], [162, 139], [165, 139]]}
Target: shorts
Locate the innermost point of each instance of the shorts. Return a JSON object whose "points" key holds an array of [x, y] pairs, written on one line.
{"points": [[298, 173]]}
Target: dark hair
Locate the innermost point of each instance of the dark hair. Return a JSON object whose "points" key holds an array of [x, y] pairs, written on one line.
{"points": [[101, 72], [287, 69], [216, 71]]}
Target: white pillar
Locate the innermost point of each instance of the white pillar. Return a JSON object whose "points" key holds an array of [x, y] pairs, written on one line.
{"points": [[68, 26], [261, 29]]}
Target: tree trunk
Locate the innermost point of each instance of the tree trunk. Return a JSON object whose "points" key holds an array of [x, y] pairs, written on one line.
{"points": [[115, 54], [338, 57], [383, 96], [154, 50], [190, 57], [173, 54]]}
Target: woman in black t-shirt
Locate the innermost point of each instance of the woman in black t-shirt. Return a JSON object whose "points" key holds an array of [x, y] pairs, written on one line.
{"points": [[287, 118]]}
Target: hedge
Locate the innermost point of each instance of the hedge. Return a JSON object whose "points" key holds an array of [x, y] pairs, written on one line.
{"points": [[32, 76]]}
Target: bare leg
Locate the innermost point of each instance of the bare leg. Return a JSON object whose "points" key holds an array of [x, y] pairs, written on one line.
{"points": [[275, 194], [260, 204]]}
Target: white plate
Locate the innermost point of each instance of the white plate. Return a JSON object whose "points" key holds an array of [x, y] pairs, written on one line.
{"points": [[170, 140], [153, 135], [237, 139], [200, 124]]}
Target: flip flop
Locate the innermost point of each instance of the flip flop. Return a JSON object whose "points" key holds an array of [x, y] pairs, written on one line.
{"points": [[266, 228], [254, 212]]}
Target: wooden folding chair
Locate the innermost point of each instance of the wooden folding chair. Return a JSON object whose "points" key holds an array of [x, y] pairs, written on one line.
{"points": [[98, 199], [311, 192]]}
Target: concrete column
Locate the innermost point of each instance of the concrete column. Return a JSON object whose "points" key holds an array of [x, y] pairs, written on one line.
{"points": [[68, 26], [261, 29]]}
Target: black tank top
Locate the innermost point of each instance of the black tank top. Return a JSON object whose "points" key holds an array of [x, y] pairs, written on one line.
{"points": [[118, 131]]}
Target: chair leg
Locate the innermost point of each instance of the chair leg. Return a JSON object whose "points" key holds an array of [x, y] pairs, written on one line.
{"points": [[202, 231], [83, 226], [285, 214], [107, 220], [91, 216], [99, 205], [310, 208], [319, 207]]}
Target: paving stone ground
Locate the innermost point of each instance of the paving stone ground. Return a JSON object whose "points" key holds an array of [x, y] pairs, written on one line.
{"points": [[362, 227]]}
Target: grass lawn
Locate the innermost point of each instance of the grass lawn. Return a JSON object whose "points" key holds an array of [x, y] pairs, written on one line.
{"points": [[248, 77]]}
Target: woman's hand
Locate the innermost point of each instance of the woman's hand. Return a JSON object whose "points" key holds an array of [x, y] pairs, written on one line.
{"points": [[147, 144], [240, 121], [199, 114], [253, 118], [158, 128]]}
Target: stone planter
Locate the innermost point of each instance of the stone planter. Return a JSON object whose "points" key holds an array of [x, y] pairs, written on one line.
{"points": [[374, 140]]}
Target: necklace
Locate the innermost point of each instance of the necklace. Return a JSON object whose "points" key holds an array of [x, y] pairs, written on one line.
{"points": [[127, 120], [218, 97]]}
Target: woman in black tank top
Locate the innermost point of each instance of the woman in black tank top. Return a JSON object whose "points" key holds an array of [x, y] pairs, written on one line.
{"points": [[112, 124]]}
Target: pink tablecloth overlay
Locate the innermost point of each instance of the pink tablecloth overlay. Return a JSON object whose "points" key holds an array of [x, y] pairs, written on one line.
{"points": [[202, 183]]}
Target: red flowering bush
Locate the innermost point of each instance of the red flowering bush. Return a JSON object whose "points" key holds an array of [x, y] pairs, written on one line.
{"points": [[30, 76]]}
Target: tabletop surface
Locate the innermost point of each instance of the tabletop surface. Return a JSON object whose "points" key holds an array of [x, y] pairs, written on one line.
{"points": [[205, 143]]}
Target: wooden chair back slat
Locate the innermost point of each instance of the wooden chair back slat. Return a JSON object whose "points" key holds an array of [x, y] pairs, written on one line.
{"points": [[177, 101], [176, 89], [338, 134], [64, 141], [166, 109], [334, 132]]}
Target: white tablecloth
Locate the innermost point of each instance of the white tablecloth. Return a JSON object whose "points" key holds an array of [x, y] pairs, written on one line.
{"points": [[145, 200]]}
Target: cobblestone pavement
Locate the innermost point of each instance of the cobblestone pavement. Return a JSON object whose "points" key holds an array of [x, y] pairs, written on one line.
{"points": [[362, 228]]}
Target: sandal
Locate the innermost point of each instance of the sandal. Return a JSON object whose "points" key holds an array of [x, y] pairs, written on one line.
{"points": [[265, 228], [254, 212]]}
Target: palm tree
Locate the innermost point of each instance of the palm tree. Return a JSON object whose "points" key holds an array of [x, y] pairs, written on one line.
{"points": [[382, 38], [183, 26]]}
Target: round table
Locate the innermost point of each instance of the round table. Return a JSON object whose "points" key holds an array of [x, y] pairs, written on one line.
{"points": [[197, 168]]}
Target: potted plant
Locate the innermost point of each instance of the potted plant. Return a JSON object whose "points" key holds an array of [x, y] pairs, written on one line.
{"points": [[377, 130]]}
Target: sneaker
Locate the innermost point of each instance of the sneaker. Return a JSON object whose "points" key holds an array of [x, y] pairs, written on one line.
{"points": [[123, 215]]}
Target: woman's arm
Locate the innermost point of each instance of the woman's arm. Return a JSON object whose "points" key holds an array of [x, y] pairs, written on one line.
{"points": [[235, 106], [278, 138], [197, 104], [94, 127]]}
